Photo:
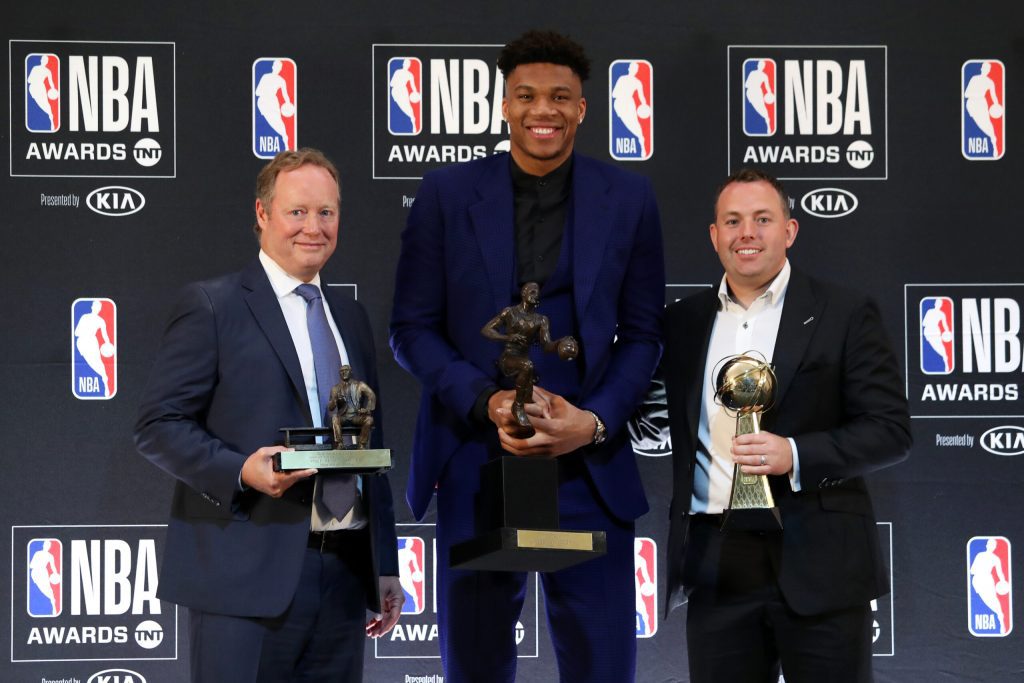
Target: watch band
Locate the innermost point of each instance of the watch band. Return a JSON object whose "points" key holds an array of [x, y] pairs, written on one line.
{"points": [[600, 432]]}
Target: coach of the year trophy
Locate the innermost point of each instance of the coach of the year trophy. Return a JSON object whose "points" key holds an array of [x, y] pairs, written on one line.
{"points": [[344, 449], [517, 511], [745, 387]]}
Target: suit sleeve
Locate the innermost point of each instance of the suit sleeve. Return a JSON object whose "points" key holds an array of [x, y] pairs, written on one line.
{"points": [[418, 317], [170, 429], [637, 347], [874, 429]]}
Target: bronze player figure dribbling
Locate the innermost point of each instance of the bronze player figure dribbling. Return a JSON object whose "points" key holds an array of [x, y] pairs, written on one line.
{"points": [[524, 326]]}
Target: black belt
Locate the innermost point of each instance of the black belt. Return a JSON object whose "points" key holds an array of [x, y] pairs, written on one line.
{"points": [[335, 541]]}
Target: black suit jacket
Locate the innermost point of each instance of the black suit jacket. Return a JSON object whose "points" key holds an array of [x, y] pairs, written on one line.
{"points": [[840, 397], [225, 379]]}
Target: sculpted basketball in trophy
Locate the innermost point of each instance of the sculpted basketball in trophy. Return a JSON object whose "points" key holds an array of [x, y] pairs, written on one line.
{"points": [[745, 388]]}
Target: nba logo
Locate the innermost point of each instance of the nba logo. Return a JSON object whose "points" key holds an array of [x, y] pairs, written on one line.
{"points": [[983, 111], [274, 107], [631, 109], [410, 573], [759, 111], [405, 96], [42, 93], [93, 349], [989, 587], [45, 573], [645, 573], [936, 335]]}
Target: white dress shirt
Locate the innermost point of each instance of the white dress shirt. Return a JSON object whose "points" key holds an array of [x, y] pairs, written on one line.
{"points": [[736, 330]]}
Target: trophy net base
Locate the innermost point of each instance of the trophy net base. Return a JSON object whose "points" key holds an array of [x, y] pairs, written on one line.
{"points": [[509, 549]]}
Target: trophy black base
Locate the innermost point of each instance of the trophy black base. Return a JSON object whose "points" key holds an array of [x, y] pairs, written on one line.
{"points": [[518, 515], [751, 519], [523, 550]]}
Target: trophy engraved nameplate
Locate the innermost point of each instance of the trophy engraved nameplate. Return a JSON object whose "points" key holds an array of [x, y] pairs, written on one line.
{"points": [[345, 448], [517, 508], [745, 388]]}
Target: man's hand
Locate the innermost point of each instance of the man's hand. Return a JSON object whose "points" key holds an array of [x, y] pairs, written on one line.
{"points": [[762, 453], [258, 472], [392, 597], [499, 407], [561, 427]]}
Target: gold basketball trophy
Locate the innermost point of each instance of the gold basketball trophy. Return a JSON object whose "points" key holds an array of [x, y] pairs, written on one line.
{"points": [[745, 388]]}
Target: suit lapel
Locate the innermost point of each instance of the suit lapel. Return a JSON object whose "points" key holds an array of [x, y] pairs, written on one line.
{"points": [[262, 302], [695, 353], [344, 317], [592, 225], [801, 314], [493, 218]]}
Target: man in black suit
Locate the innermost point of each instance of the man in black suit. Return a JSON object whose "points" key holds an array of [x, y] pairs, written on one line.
{"points": [[277, 569], [799, 596]]}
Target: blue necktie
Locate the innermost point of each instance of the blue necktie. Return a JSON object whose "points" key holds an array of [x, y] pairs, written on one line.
{"points": [[338, 490]]}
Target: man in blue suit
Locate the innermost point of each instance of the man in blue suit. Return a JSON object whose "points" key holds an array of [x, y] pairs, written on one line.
{"points": [[276, 573], [589, 233]]}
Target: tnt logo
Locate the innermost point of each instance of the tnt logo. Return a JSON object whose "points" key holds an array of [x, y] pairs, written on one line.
{"points": [[42, 92], [45, 577], [93, 349], [989, 587], [645, 573], [983, 115], [274, 106], [631, 105], [410, 573], [759, 97], [936, 335], [405, 93]]}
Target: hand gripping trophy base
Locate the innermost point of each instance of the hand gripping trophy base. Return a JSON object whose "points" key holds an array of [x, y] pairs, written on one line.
{"points": [[745, 385]]}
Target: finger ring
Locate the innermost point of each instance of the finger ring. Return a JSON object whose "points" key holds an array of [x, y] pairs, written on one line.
{"points": [[763, 461]]}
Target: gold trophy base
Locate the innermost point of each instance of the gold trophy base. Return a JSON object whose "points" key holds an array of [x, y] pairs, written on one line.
{"points": [[751, 505]]}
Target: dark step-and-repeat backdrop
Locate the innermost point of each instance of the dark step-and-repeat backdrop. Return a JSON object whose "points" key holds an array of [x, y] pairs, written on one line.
{"points": [[135, 134]]}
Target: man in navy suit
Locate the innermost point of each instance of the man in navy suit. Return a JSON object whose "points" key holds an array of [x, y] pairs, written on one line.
{"points": [[589, 233], [798, 597], [277, 577]]}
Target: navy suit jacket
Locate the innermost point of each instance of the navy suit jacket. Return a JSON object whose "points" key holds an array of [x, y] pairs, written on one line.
{"points": [[456, 272], [225, 379], [840, 397]]}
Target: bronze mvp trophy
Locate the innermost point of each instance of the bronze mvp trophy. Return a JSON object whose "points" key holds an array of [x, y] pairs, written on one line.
{"points": [[351, 406], [517, 513], [745, 388]]}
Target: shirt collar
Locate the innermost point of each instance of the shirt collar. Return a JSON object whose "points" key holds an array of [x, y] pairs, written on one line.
{"points": [[772, 296], [281, 282], [556, 181]]}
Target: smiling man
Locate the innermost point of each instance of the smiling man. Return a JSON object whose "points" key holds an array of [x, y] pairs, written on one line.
{"points": [[590, 235], [798, 597], [276, 569]]}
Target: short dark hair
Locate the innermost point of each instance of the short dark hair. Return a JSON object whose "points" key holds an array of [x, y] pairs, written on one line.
{"points": [[753, 175], [534, 47], [288, 160]]}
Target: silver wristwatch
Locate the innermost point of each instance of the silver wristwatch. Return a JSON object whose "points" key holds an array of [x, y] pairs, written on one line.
{"points": [[600, 433]]}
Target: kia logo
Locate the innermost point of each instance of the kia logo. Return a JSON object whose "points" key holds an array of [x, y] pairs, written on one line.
{"points": [[829, 202], [116, 676], [1004, 440], [115, 200]]}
